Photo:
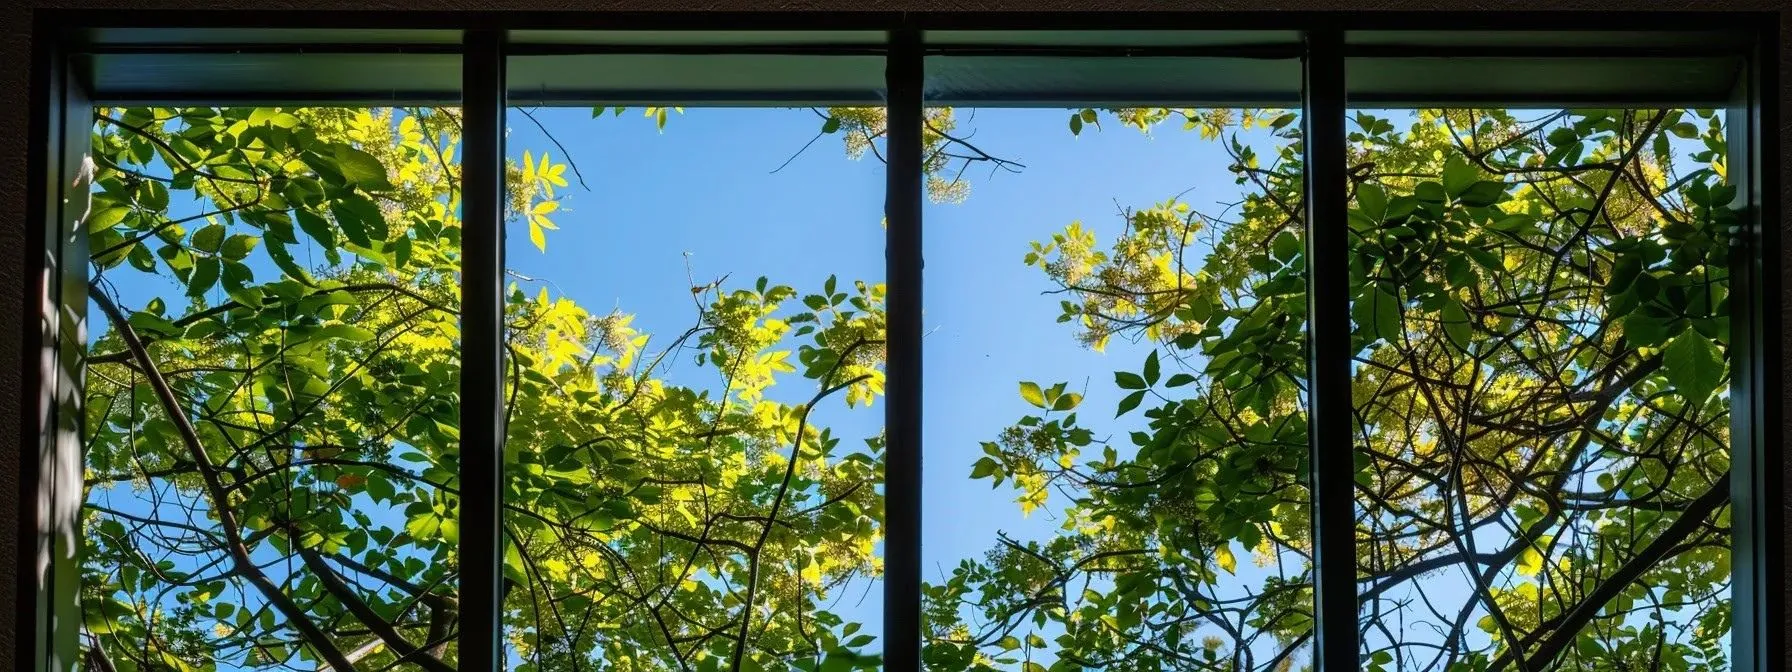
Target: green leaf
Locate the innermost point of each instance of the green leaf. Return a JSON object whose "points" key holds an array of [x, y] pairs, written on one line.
{"points": [[1385, 309], [154, 324], [1484, 193], [1130, 402], [1458, 175], [1128, 380], [1588, 646], [1032, 393], [1624, 272], [142, 258], [358, 218], [1076, 124], [316, 227], [361, 169], [283, 260], [185, 149], [347, 332], [1151, 368], [1283, 121], [1460, 272], [1372, 200], [209, 238], [1642, 330], [831, 125], [1456, 324], [1179, 380], [238, 246], [1285, 247], [105, 219], [1065, 402], [205, 274], [380, 488], [1693, 366], [985, 467], [236, 283], [108, 240], [424, 526], [401, 252], [153, 196], [142, 151]]}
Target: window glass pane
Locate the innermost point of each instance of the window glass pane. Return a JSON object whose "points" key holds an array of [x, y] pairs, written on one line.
{"points": [[1540, 301], [694, 359], [1116, 426], [270, 443]]}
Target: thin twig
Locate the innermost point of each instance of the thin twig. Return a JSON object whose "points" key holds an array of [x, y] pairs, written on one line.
{"points": [[562, 148]]}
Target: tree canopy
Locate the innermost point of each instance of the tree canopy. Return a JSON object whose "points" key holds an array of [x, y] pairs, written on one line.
{"points": [[1540, 326]]}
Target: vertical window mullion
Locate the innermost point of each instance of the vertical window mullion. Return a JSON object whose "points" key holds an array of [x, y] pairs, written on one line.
{"points": [[54, 369], [1755, 430], [1331, 457], [902, 450], [482, 342]]}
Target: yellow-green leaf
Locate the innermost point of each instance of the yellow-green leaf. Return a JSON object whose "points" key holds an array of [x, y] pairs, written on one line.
{"points": [[1530, 562], [361, 169], [106, 219], [537, 236]]}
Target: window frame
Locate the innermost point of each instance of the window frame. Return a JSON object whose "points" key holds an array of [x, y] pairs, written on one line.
{"points": [[62, 92]]}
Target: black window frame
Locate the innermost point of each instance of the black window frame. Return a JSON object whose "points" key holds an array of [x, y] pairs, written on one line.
{"points": [[66, 72]]}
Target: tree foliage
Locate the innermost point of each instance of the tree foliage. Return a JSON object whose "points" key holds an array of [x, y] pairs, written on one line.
{"points": [[1540, 326], [1540, 319]]}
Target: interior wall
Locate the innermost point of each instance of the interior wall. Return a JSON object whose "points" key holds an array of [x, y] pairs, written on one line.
{"points": [[16, 19]]}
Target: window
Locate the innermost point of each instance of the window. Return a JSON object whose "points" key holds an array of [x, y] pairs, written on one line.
{"points": [[1140, 305], [562, 345], [694, 452], [270, 430], [1152, 467], [1542, 396]]}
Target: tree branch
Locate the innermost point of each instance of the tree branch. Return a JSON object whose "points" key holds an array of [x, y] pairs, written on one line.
{"points": [[221, 507]]}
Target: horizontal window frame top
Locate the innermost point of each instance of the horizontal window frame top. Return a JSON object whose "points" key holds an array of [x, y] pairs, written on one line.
{"points": [[494, 58], [238, 57], [1371, 26]]}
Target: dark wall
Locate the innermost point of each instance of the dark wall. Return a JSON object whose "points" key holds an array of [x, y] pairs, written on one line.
{"points": [[15, 50]]}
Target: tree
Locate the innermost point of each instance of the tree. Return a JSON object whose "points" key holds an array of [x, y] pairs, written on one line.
{"points": [[287, 447], [1540, 317], [1540, 327]]}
